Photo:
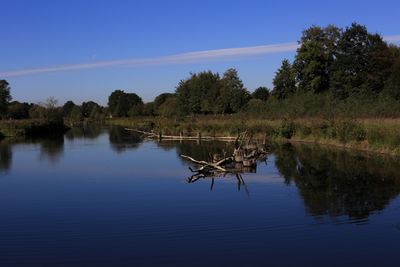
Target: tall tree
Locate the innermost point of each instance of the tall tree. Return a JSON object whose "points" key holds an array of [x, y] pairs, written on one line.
{"points": [[363, 63], [198, 93], [314, 58], [234, 91], [284, 81], [5, 96]]}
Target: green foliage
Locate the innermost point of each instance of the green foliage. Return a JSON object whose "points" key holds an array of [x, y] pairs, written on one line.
{"points": [[17, 110], [350, 131], [120, 102], [76, 114], [255, 107], [392, 84], [148, 109], [287, 128], [169, 107], [284, 81], [206, 93], [67, 108], [160, 99], [193, 92], [261, 93], [315, 57], [5, 96], [88, 108]]}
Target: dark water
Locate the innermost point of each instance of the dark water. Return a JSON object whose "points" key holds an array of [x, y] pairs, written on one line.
{"points": [[99, 197]]}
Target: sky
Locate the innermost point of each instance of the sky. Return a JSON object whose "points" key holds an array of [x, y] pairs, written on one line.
{"points": [[83, 50]]}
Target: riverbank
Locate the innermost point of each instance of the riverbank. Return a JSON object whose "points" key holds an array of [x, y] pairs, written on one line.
{"points": [[31, 128], [370, 135]]}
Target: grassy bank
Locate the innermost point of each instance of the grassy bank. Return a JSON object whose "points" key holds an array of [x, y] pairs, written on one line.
{"points": [[375, 135], [31, 127]]}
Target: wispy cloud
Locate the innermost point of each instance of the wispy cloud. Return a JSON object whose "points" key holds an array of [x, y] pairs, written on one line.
{"points": [[186, 58]]}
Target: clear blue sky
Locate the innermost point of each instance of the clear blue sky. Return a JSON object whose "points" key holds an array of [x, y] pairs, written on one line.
{"points": [[37, 34]]}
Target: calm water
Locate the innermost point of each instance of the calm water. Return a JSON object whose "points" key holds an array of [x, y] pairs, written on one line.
{"points": [[99, 197]]}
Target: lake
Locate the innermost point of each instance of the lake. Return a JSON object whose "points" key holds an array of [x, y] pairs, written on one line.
{"points": [[108, 197]]}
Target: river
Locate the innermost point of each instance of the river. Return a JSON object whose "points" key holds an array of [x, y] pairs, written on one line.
{"points": [[107, 197]]}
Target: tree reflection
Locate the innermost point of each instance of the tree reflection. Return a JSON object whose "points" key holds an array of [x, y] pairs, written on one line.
{"points": [[51, 148], [203, 151], [338, 183], [90, 131], [5, 157], [121, 139]]}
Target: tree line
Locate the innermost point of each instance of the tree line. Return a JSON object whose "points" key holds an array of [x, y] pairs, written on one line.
{"points": [[334, 70]]}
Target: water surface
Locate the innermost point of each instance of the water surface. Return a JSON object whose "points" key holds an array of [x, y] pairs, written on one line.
{"points": [[106, 197]]}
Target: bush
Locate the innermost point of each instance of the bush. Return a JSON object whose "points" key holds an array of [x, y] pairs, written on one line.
{"points": [[287, 129]]}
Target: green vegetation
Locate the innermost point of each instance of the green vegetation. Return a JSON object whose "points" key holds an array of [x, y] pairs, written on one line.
{"points": [[340, 82]]}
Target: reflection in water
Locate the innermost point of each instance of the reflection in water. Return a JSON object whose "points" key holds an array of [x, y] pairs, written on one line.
{"points": [[336, 182], [90, 131], [52, 148], [203, 151], [5, 157], [120, 139]]}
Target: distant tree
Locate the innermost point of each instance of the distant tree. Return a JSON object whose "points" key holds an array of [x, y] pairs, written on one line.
{"points": [[255, 106], [234, 91], [392, 84], [148, 109], [169, 107], [191, 93], [261, 93], [88, 107], [67, 108], [160, 99], [5, 96], [17, 110], [37, 112], [284, 81], [120, 102], [76, 114], [136, 110]]}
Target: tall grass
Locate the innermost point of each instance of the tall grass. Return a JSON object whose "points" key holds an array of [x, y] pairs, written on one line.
{"points": [[370, 134]]}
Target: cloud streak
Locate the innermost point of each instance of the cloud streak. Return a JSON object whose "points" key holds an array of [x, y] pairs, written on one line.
{"points": [[186, 58]]}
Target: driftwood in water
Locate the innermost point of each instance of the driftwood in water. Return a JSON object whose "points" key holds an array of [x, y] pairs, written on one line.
{"points": [[158, 135], [243, 159]]}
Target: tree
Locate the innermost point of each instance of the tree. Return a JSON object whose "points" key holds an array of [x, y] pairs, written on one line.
{"points": [[148, 109], [67, 108], [120, 102], [234, 91], [284, 81], [193, 92], [5, 96], [76, 114], [160, 99], [17, 110], [363, 62], [392, 84], [169, 107], [88, 107], [314, 58], [261, 93]]}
